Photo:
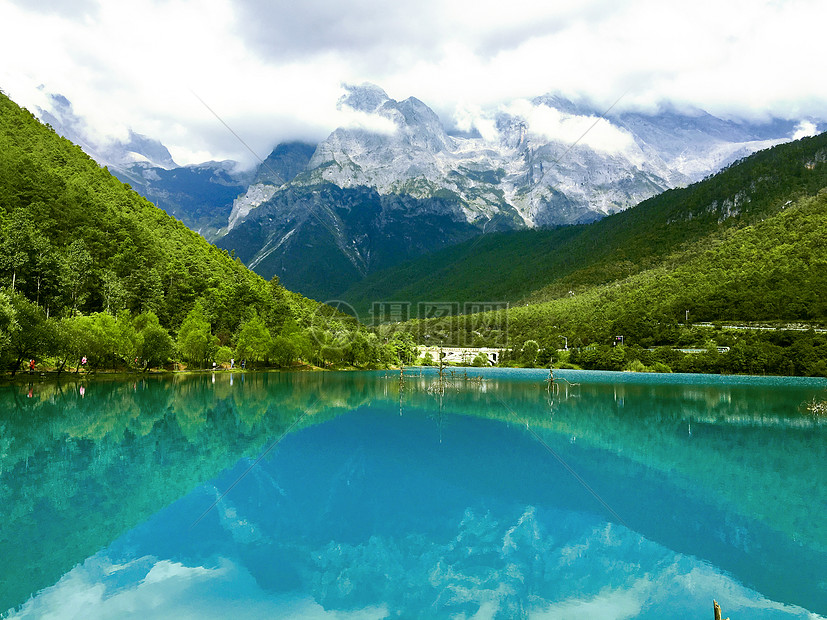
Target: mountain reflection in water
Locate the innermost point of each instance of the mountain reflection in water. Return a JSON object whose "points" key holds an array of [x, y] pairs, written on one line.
{"points": [[388, 498]]}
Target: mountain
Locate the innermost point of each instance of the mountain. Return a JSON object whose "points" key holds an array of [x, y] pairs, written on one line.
{"points": [[551, 161], [116, 153], [654, 288], [90, 269], [321, 238], [201, 195], [534, 164], [767, 277], [392, 183], [539, 265], [281, 166]]}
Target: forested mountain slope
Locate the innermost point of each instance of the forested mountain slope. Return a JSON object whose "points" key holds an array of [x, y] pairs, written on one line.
{"points": [[772, 272], [74, 238]]}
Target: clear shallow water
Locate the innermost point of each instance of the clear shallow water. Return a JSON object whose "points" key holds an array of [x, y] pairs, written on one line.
{"points": [[381, 502]]}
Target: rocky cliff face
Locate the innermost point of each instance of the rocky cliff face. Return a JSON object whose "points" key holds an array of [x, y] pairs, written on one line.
{"points": [[548, 159], [321, 239]]}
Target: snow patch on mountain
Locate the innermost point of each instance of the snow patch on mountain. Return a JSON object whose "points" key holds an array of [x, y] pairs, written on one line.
{"points": [[552, 166], [271, 247], [255, 195], [552, 160]]}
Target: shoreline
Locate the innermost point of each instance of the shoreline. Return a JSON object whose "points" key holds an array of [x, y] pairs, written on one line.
{"points": [[26, 378]]}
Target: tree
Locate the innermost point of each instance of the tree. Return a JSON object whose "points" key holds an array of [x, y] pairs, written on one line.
{"points": [[279, 307], [112, 291], [223, 355], [362, 349], [284, 351], [143, 290], [77, 265], [480, 360], [529, 352], [19, 235], [195, 339], [7, 320], [71, 343], [330, 353], [253, 340], [126, 337], [29, 337], [99, 338], [405, 347], [154, 344]]}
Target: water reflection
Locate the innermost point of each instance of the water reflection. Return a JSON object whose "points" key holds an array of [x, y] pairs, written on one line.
{"points": [[730, 473]]}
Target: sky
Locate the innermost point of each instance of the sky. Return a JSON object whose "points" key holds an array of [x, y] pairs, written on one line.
{"points": [[273, 70]]}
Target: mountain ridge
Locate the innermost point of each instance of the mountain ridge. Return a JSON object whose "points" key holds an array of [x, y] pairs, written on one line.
{"points": [[530, 266], [519, 179], [535, 163]]}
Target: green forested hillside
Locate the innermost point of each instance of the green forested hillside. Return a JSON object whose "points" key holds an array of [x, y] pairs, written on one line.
{"points": [[546, 264], [774, 270], [75, 238], [771, 272], [90, 268]]}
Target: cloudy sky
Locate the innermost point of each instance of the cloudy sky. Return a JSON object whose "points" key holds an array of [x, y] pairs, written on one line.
{"points": [[273, 69]]}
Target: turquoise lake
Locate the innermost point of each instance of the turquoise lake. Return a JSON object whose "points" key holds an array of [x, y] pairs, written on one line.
{"points": [[363, 495]]}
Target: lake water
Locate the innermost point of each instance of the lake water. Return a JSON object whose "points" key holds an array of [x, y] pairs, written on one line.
{"points": [[357, 495]]}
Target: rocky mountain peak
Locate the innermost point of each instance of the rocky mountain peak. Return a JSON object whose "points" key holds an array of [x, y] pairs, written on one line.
{"points": [[117, 154], [365, 97]]}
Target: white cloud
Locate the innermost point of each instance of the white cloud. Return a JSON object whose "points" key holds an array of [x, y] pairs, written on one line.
{"points": [[374, 123], [472, 117], [272, 70], [171, 590], [805, 129], [595, 132]]}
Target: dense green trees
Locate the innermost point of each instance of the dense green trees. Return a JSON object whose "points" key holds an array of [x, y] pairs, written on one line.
{"points": [[529, 352], [756, 353], [772, 271], [154, 345], [8, 322], [90, 268], [32, 334], [253, 341], [196, 341]]}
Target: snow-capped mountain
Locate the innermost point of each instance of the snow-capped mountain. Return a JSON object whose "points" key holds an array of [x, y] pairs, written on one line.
{"points": [[392, 182], [550, 160], [372, 190]]}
